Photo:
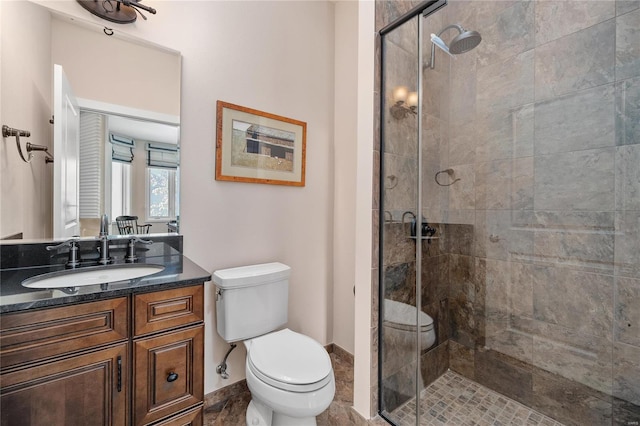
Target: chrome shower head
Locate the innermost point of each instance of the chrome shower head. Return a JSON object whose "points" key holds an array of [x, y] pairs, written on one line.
{"points": [[463, 42]]}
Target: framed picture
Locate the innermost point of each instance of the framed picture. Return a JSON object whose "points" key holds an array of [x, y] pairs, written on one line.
{"points": [[259, 147]]}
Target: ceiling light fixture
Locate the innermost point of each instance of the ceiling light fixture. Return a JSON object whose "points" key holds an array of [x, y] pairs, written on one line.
{"points": [[118, 11]]}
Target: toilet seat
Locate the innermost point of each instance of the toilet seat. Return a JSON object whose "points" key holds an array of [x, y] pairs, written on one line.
{"points": [[401, 316], [289, 361]]}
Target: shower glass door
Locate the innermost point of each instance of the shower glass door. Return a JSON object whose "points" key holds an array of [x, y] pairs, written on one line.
{"points": [[399, 204], [413, 306]]}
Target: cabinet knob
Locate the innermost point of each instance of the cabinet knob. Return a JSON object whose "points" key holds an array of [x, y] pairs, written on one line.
{"points": [[172, 377]]}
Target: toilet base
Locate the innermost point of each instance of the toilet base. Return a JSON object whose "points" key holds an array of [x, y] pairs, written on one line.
{"points": [[259, 414]]}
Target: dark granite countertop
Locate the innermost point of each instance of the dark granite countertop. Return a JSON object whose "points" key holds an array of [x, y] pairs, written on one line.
{"points": [[179, 271]]}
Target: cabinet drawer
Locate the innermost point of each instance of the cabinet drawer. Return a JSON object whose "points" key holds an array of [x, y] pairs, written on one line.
{"points": [[190, 418], [89, 389], [168, 309], [169, 371], [33, 335]]}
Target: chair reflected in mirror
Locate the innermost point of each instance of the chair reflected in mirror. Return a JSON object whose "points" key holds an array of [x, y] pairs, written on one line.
{"points": [[129, 225]]}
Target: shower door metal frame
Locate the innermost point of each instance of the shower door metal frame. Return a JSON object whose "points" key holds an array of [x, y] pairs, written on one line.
{"points": [[425, 9]]}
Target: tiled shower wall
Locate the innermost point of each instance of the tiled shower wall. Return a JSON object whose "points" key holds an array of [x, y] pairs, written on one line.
{"points": [[541, 124]]}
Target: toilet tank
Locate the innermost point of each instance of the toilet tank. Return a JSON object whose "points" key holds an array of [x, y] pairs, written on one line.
{"points": [[251, 300]]}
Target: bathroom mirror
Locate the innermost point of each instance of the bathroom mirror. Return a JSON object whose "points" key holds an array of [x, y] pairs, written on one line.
{"points": [[134, 87], [128, 165]]}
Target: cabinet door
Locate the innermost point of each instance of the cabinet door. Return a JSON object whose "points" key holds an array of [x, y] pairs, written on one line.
{"points": [[190, 418], [162, 310], [169, 370], [34, 335], [85, 390]]}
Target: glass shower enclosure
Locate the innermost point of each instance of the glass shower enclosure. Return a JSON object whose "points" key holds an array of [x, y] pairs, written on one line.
{"points": [[510, 206]]}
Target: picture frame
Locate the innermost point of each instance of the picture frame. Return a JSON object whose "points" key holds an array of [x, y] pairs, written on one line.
{"points": [[259, 147]]}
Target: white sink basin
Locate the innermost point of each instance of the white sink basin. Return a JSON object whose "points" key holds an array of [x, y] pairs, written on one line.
{"points": [[91, 276]]}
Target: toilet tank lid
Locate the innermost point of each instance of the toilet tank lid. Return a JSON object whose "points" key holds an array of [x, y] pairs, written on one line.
{"points": [[246, 276]]}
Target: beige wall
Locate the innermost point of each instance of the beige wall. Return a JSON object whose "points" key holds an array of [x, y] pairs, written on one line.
{"points": [[344, 185], [116, 70], [25, 99], [365, 334], [282, 61], [282, 64]]}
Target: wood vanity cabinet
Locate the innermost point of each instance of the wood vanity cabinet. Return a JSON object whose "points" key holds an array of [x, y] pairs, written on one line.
{"points": [[81, 390], [133, 360], [168, 353]]}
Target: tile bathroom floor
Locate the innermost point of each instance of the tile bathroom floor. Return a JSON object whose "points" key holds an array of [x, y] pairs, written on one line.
{"points": [[338, 414], [452, 400], [455, 400]]}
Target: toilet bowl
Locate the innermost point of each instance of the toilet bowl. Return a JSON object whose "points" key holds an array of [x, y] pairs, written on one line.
{"points": [[289, 374], [400, 327], [290, 378]]}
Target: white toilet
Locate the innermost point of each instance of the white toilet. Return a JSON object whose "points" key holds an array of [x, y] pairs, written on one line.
{"points": [[289, 374], [400, 325]]}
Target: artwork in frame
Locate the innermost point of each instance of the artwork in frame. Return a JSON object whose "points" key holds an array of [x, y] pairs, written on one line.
{"points": [[259, 147]]}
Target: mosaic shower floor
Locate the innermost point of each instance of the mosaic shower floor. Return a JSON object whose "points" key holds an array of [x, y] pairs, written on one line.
{"points": [[455, 400]]}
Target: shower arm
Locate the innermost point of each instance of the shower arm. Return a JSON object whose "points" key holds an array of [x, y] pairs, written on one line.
{"points": [[456, 26], [432, 62]]}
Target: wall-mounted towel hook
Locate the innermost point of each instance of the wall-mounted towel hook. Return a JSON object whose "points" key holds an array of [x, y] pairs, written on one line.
{"points": [[450, 173], [391, 182], [10, 131]]}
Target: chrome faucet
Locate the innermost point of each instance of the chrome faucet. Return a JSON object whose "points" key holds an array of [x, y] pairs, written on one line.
{"points": [[74, 251], [103, 244], [131, 248], [104, 225]]}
